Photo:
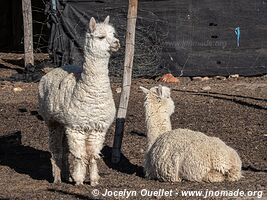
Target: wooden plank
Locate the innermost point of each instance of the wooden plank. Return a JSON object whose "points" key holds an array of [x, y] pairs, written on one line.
{"points": [[127, 78], [27, 23]]}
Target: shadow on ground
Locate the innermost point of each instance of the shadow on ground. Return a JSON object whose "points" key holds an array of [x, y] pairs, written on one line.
{"points": [[124, 166], [24, 159]]}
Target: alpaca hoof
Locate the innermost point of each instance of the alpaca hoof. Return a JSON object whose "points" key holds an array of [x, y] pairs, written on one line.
{"points": [[94, 183], [234, 178], [79, 183], [57, 181], [71, 179]]}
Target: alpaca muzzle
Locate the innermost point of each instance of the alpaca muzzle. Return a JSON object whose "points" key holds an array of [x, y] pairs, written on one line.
{"points": [[115, 47]]}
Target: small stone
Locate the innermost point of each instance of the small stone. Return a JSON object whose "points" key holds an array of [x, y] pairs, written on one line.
{"points": [[17, 89], [197, 78], [220, 78], [118, 90], [234, 76], [206, 88], [205, 78]]}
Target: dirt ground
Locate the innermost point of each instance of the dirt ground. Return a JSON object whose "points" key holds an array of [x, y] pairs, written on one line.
{"points": [[234, 110]]}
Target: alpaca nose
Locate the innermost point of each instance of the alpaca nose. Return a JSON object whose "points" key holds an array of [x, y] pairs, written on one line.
{"points": [[118, 43], [115, 45]]}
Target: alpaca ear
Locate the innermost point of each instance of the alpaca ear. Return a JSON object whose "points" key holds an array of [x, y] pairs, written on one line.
{"points": [[106, 21], [144, 89], [159, 91], [92, 24], [163, 91]]}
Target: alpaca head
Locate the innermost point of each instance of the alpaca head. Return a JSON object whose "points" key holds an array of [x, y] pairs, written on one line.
{"points": [[158, 108], [100, 38], [159, 98]]}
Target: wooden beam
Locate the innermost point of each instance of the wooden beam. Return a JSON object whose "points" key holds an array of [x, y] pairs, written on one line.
{"points": [[27, 23], [127, 78]]}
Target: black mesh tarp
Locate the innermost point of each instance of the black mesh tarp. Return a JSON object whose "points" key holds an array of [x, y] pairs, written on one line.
{"points": [[186, 38]]}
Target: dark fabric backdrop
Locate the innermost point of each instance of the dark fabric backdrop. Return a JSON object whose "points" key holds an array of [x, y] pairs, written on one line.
{"points": [[186, 37]]}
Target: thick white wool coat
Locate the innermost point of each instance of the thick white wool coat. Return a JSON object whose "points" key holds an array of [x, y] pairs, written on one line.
{"points": [[84, 102], [155, 106], [78, 102], [173, 155]]}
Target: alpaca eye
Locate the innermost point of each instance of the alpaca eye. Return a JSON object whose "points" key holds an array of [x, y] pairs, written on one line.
{"points": [[101, 37]]}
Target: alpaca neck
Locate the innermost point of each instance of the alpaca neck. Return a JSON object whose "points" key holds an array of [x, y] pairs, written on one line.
{"points": [[95, 70], [157, 124], [94, 80]]}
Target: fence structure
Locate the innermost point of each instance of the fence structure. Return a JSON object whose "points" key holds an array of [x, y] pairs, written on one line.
{"points": [[186, 37]]}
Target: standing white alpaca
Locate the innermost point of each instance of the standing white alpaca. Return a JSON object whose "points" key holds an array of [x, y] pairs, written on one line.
{"points": [[173, 155], [78, 103]]}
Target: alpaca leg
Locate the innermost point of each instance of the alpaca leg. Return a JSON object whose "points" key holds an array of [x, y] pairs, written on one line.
{"points": [[214, 176], [93, 171], [76, 142], [55, 146], [234, 174], [65, 160], [94, 144]]}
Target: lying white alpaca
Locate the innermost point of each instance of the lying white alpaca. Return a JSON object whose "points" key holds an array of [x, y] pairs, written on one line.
{"points": [[78, 103], [173, 155]]}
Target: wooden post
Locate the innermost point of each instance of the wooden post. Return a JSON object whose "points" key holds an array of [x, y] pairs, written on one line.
{"points": [[27, 23], [127, 78]]}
